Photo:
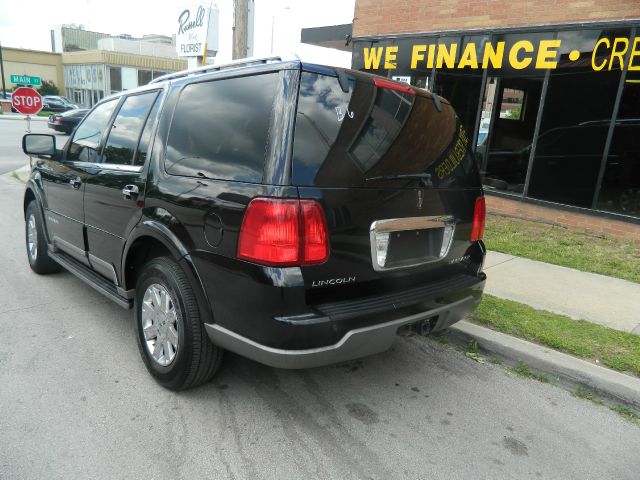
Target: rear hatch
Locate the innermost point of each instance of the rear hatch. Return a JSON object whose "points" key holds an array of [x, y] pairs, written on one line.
{"points": [[392, 168]]}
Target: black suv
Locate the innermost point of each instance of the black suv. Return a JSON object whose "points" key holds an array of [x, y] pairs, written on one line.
{"points": [[296, 214]]}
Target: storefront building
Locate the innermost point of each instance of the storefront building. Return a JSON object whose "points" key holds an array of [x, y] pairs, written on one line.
{"points": [[86, 66], [93, 74], [36, 63], [548, 90]]}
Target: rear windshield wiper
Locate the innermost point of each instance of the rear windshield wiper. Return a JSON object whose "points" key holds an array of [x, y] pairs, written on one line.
{"points": [[424, 177]]}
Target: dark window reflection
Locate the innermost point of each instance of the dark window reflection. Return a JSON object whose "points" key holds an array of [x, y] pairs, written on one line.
{"points": [[387, 118], [461, 86], [86, 138], [220, 128], [145, 138], [126, 128], [572, 138], [504, 153], [144, 77], [115, 78], [620, 191], [343, 138]]}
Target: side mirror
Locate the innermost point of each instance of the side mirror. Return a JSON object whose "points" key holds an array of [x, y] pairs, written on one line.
{"points": [[39, 144]]}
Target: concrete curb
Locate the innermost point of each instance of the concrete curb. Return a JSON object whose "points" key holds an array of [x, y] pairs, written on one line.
{"points": [[570, 371], [22, 173], [13, 116]]}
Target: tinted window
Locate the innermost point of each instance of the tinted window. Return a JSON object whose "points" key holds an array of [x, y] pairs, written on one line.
{"points": [[143, 146], [86, 139], [126, 128], [220, 128], [344, 138]]}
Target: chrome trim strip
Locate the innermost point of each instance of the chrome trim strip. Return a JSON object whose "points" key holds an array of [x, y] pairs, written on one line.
{"points": [[105, 268], [411, 223], [121, 168], [69, 247]]}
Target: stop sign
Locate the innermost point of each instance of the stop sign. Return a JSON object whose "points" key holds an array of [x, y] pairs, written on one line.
{"points": [[26, 100]]}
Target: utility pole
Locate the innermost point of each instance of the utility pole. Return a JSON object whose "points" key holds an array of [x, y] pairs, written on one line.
{"points": [[240, 28], [4, 87]]}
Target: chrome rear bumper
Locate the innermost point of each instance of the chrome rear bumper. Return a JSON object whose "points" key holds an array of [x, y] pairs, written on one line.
{"points": [[356, 343]]}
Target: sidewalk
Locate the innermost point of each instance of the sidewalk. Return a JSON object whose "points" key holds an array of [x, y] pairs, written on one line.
{"points": [[611, 302], [20, 116]]}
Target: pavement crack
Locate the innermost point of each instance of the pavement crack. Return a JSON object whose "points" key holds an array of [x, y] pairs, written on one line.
{"points": [[500, 263]]}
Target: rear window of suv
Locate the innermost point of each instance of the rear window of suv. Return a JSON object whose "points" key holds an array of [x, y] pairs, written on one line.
{"points": [[344, 138], [220, 129]]}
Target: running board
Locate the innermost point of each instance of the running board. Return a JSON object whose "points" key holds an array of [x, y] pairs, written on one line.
{"points": [[91, 278]]}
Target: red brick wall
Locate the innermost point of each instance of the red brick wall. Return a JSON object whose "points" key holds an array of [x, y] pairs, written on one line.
{"points": [[579, 221], [379, 17]]}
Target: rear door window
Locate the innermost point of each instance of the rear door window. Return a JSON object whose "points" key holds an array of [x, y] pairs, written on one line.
{"points": [[86, 139], [126, 128], [220, 129], [343, 139]]}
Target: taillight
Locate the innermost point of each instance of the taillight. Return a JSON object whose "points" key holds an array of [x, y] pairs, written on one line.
{"points": [[393, 85], [479, 216], [283, 232], [58, 120]]}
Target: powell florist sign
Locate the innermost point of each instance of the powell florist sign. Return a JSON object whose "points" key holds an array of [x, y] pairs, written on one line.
{"points": [[197, 28]]}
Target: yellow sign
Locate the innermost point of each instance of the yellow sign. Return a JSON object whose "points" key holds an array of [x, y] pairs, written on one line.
{"points": [[607, 54], [451, 162]]}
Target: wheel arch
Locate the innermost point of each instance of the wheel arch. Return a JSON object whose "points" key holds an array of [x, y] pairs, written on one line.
{"points": [[151, 239], [33, 193]]}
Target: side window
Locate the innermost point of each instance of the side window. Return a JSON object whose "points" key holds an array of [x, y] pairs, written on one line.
{"points": [[220, 128], [86, 139], [143, 146], [513, 101], [126, 128]]}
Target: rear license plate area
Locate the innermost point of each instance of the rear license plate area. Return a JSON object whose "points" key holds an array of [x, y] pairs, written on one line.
{"points": [[411, 246], [406, 242]]}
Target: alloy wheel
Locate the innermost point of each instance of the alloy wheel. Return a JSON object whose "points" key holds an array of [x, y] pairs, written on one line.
{"points": [[160, 324], [32, 237]]}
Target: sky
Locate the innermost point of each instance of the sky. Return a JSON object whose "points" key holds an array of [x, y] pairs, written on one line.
{"points": [[20, 28]]}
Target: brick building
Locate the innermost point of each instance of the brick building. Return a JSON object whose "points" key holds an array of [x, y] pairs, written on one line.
{"points": [[548, 90]]}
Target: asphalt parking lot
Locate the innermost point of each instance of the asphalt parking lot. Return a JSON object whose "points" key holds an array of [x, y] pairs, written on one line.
{"points": [[77, 402], [11, 131]]}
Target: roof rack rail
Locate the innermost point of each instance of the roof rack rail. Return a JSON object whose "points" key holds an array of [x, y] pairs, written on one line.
{"points": [[241, 62]]}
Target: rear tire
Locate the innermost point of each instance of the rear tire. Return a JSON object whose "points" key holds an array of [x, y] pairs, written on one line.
{"points": [[36, 243], [171, 336]]}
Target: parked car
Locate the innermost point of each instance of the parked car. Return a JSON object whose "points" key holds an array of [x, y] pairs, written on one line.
{"points": [[55, 103], [296, 214], [8, 96], [66, 121]]}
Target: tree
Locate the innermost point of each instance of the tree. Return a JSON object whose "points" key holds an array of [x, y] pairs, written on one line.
{"points": [[48, 88]]}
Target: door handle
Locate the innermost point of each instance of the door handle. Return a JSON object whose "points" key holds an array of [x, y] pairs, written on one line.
{"points": [[129, 192], [75, 183]]}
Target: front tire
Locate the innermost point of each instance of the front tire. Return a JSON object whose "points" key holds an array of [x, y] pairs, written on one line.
{"points": [[171, 337], [36, 243]]}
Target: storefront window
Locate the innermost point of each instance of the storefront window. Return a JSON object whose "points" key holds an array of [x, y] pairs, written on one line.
{"points": [[563, 146], [620, 191], [461, 86], [513, 101], [575, 123], [115, 77], [510, 109], [144, 77]]}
